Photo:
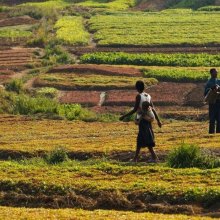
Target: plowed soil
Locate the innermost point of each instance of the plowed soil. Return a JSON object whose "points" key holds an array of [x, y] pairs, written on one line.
{"points": [[97, 69], [16, 21], [151, 5], [85, 98], [17, 58], [163, 94], [143, 49]]}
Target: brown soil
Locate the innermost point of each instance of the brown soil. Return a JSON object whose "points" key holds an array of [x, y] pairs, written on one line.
{"points": [[3, 16], [143, 49], [151, 5], [85, 98], [17, 21], [17, 2], [17, 58], [163, 94], [97, 69]]}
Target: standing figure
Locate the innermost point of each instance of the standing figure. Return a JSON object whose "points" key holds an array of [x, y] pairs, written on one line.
{"points": [[144, 118], [212, 96]]}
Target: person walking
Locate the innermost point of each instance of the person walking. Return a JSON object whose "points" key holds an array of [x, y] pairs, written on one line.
{"points": [[211, 90], [145, 136]]}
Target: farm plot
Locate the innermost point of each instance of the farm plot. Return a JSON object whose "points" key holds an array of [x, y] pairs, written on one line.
{"points": [[161, 29], [70, 30], [79, 214], [15, 35], [14, 21], [153, 59], [18, 58], [23, 136], [110, 5], [98, 69], [85, 98], [73, 81], [101, 184], [163, 94]]}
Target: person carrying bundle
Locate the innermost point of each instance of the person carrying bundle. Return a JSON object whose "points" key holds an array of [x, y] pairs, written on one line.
{"points": [[145, 115], [212, 97]]}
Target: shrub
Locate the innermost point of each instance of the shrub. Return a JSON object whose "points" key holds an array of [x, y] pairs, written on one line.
{"points": [[26, 105], [186, 156], [47, 92], [56, 156], [75, 112], [15, 85], [56, 55]]}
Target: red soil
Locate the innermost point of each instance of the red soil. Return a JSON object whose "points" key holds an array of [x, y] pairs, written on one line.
{"points": [[3, 16], [88, 98], [164, 94], [17, 21], [151, 5], [97, 69], [17, 58]]}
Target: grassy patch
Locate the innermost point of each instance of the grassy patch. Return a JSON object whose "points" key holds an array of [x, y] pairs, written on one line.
{"points": [[41, 214], [191, 156]]}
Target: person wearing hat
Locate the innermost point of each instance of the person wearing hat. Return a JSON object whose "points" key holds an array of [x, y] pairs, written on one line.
{"points": [[212, 96]]}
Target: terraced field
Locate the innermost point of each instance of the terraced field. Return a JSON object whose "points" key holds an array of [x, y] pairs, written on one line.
{"points": [[93, 176]]}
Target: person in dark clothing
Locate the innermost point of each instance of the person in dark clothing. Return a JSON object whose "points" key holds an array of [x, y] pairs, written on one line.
{"points": [[214, 107], [145, 135]]}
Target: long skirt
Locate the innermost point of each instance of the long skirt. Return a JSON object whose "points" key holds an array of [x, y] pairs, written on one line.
{"points": [[145, 136]]}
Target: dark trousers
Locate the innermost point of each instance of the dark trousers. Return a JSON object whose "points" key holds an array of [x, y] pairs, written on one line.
{"points": [[214, 117]]}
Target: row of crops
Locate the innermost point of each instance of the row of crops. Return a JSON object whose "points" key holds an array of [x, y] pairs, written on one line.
{"points": [[189, 28], [152, 59]]}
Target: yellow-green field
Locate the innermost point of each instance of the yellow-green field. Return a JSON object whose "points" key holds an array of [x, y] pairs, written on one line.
{"points": [[79, 214], [27, 135]]}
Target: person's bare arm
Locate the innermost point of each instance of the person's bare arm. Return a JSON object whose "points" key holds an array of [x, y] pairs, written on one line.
{"points": [[156, 115], [137, 102]]}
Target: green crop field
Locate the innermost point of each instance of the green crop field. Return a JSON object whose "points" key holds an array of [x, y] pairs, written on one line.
{"points": [[189, 28], [20, 31], [152, 59], [177, 75], [70, 30]]}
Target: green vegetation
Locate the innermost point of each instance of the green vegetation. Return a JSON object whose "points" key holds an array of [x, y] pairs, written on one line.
{"points": [[177, 75], [195, 4], [56, 156], [13, 32], [72, 81], [15, 85], [209, 8], [47, 92], [152, 59], [70, 30], [111, 5], [55, 54], [153, 181], [156, 29], [187, 156], [53, 4]]}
